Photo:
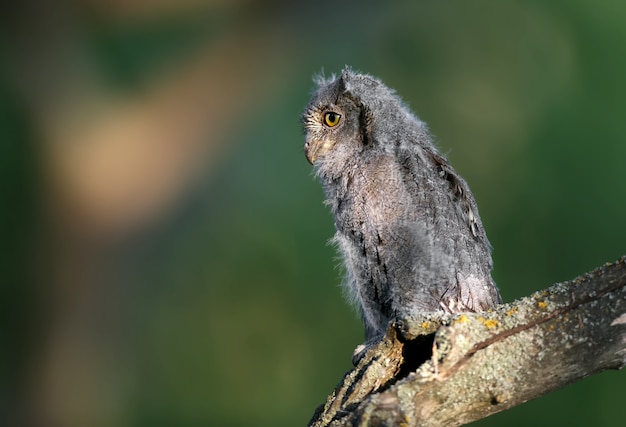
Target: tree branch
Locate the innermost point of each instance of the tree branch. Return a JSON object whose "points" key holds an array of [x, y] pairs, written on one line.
{"points": [[452, 370]]}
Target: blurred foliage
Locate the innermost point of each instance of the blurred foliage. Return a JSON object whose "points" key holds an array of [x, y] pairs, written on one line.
{"points": [[165, 257]]}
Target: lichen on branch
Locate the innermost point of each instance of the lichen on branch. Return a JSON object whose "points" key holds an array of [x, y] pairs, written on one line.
{"points": [[452, 370]]}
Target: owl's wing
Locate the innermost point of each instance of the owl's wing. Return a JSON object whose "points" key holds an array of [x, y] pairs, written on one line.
{"points": [[457, 269]]}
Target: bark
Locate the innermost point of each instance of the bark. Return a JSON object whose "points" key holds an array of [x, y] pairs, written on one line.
{"points": [[452, 370]]}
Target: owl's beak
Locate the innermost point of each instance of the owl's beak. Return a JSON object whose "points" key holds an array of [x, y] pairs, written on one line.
{"points": [[310, 152], [313, 148]]}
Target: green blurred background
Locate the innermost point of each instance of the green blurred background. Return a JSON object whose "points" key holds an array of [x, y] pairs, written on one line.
{"points": [[164, 244]]}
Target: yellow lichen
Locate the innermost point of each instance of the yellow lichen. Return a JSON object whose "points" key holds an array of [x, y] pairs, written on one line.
{"points": [[462, 319], [490, 323], [512, 311], [542, 305]]}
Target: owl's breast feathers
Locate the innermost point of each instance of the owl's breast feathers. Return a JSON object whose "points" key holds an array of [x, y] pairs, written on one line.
{"points": [[408, 232]]}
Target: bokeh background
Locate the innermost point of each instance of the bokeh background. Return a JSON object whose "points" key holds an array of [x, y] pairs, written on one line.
{"points": [[164, 244]]}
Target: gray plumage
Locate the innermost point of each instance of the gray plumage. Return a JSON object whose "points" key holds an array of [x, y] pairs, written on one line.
{"points": [[407, 224]]}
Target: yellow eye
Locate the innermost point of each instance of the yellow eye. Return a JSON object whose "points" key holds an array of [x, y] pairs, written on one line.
{"points": [[331, 119]]}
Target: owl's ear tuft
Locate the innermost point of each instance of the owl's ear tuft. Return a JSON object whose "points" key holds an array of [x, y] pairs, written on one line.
{"points": [[346, 79], [346, 72], [342, 82]]}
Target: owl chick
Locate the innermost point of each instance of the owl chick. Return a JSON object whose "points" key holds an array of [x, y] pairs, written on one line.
{"points": [[407, 224]]}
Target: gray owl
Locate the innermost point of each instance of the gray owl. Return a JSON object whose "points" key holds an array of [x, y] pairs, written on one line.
{"points": [[407, 224]]}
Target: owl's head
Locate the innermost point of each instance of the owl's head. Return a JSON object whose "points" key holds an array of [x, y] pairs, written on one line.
{"points": [[351, 114]]}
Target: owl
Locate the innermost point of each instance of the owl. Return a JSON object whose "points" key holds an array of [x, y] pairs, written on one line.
{"points": [[407, 225]]}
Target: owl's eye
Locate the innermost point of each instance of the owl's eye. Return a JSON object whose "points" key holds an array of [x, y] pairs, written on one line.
{"points": [[331, 119]]}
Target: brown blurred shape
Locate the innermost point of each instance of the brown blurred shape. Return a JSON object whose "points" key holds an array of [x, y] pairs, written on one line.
{"points": [[112, 163]]}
